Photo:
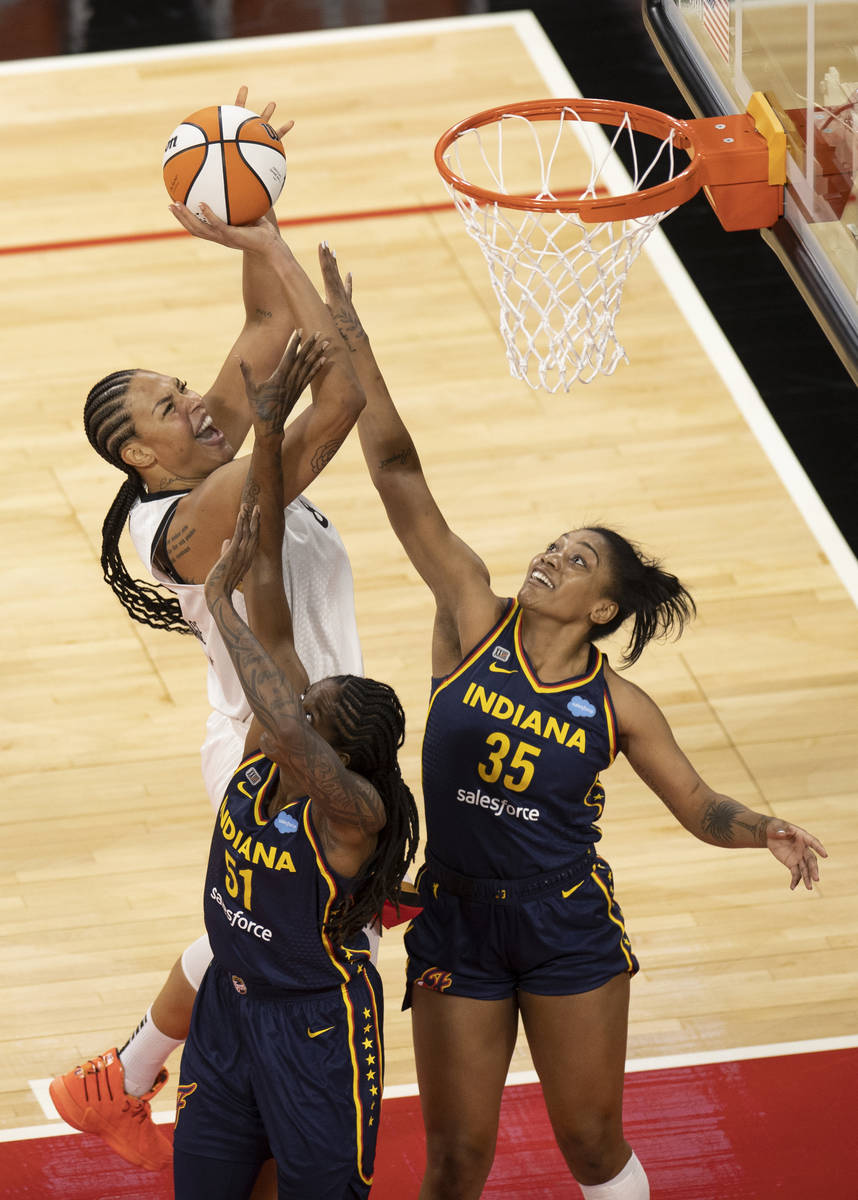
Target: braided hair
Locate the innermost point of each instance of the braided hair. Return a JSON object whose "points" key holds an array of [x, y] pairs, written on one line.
{"points": [[369, 726], [109, 426], [659, 603]]}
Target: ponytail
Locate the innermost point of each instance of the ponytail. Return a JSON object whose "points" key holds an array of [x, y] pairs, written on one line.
{"points": [[659, 603]]}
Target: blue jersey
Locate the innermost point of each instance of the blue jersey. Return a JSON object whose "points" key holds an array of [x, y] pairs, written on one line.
{"points": [[510, 764], [269, 891]]}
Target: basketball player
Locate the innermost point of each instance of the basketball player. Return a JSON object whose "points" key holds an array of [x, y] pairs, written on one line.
{"points": [[285, 1052], [519, 912], [180, 497]]}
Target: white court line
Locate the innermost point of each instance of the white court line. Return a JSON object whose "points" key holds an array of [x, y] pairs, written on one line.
{"points": [[515, 1078], [689, 302]]}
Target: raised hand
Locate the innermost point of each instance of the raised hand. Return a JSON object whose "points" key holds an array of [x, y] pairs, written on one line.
{"points": [[338, 297], [272, 401], [235, 557], [797, 850], [258, 237], [266, 114]]}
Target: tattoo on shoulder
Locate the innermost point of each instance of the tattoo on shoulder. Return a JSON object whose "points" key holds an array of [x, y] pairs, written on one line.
{"points": [[179, 541], [323, 455], [169, 554]]}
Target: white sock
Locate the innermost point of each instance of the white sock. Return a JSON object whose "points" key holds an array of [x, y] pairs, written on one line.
{"points": [[144, 1054], [630, 1184]]}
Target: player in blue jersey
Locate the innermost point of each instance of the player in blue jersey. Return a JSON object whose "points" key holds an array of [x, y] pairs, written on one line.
{"points": [[315, 831], [519, 913]]}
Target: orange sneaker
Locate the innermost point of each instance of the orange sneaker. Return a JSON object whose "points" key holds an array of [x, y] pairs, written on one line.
{"points": [[92, 1098]]}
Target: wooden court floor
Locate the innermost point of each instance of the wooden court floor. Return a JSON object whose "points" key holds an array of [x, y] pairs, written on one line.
{"points": [[104, 819]]}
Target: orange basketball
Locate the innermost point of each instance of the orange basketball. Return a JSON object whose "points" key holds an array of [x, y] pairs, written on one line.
{"points": [[227, 157]]}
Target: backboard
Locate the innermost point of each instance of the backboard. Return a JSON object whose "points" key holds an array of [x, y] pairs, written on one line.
{"points": [[803, 55]]}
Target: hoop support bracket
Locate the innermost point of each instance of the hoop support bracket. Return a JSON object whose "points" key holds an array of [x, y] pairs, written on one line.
{"points": [[742, 164]]}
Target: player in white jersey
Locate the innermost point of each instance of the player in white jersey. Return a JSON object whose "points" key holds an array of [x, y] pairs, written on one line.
{"points": [[178, 451], [318, 580]]}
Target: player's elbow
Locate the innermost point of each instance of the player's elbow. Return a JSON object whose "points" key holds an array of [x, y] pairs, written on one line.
{"points": [[354, 400]]}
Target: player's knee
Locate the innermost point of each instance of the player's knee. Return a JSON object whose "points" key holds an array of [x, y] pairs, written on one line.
{"points": [[458, 1166], [591, 1145]]}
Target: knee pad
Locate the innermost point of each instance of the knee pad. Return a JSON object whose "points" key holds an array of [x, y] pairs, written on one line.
{"points": [[195, 960]]}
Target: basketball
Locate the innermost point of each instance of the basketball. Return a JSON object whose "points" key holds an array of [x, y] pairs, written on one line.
{"points": [[228, 158]]}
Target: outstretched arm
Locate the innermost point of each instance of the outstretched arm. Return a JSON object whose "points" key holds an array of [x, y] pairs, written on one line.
{"points": [[456, 575], [307, 761], [207, 515], [270, 404], [649, 744]]}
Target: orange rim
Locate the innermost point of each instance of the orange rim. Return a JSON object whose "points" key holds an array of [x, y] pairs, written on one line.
{"points": [[647, 202]]}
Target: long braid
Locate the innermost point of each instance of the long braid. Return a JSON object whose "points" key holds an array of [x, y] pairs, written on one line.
{"points": [[109, 426], [370, 728]]}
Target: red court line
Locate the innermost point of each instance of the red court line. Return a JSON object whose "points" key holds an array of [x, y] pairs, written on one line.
{"points": [[122, 239], [127, 239]]}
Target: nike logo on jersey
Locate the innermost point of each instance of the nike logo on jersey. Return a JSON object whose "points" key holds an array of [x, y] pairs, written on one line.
{"points": [[503, 670], [571, 890], [245, 792], [316, 1032]]}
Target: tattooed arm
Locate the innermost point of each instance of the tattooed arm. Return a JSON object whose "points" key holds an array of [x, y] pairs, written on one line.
{"points": [[648, 742], [270, 404], [456, 575], [307, 762]]}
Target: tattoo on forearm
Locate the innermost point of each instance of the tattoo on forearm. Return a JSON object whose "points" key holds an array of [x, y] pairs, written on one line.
{"points": [[251, 489], [271, 403], [761, 830], [401, 457], [721, 818], [323, 455], [351, 330]]}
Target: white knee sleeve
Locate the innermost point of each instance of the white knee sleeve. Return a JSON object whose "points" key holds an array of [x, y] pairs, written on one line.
{"points": [[195, 959]]}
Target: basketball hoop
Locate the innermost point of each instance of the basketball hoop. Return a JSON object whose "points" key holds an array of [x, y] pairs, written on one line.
{"points": [[559, 251]]}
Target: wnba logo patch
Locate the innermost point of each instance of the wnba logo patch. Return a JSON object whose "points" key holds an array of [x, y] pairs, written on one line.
{"points": [[436, 979], [239, 985]]}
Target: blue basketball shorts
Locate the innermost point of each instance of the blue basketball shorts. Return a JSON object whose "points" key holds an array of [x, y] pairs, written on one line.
{"points": [[555, 935], [300, 1078]]}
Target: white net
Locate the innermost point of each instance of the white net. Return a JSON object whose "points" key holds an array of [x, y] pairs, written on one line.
{"points": [[558, 279]]}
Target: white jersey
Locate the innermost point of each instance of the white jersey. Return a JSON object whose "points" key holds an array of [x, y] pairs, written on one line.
{"points": [[319, 587]]}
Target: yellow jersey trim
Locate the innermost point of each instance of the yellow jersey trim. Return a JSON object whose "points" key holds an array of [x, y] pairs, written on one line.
{"points": [[567, 684], [616, 920], [332, 893]]}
